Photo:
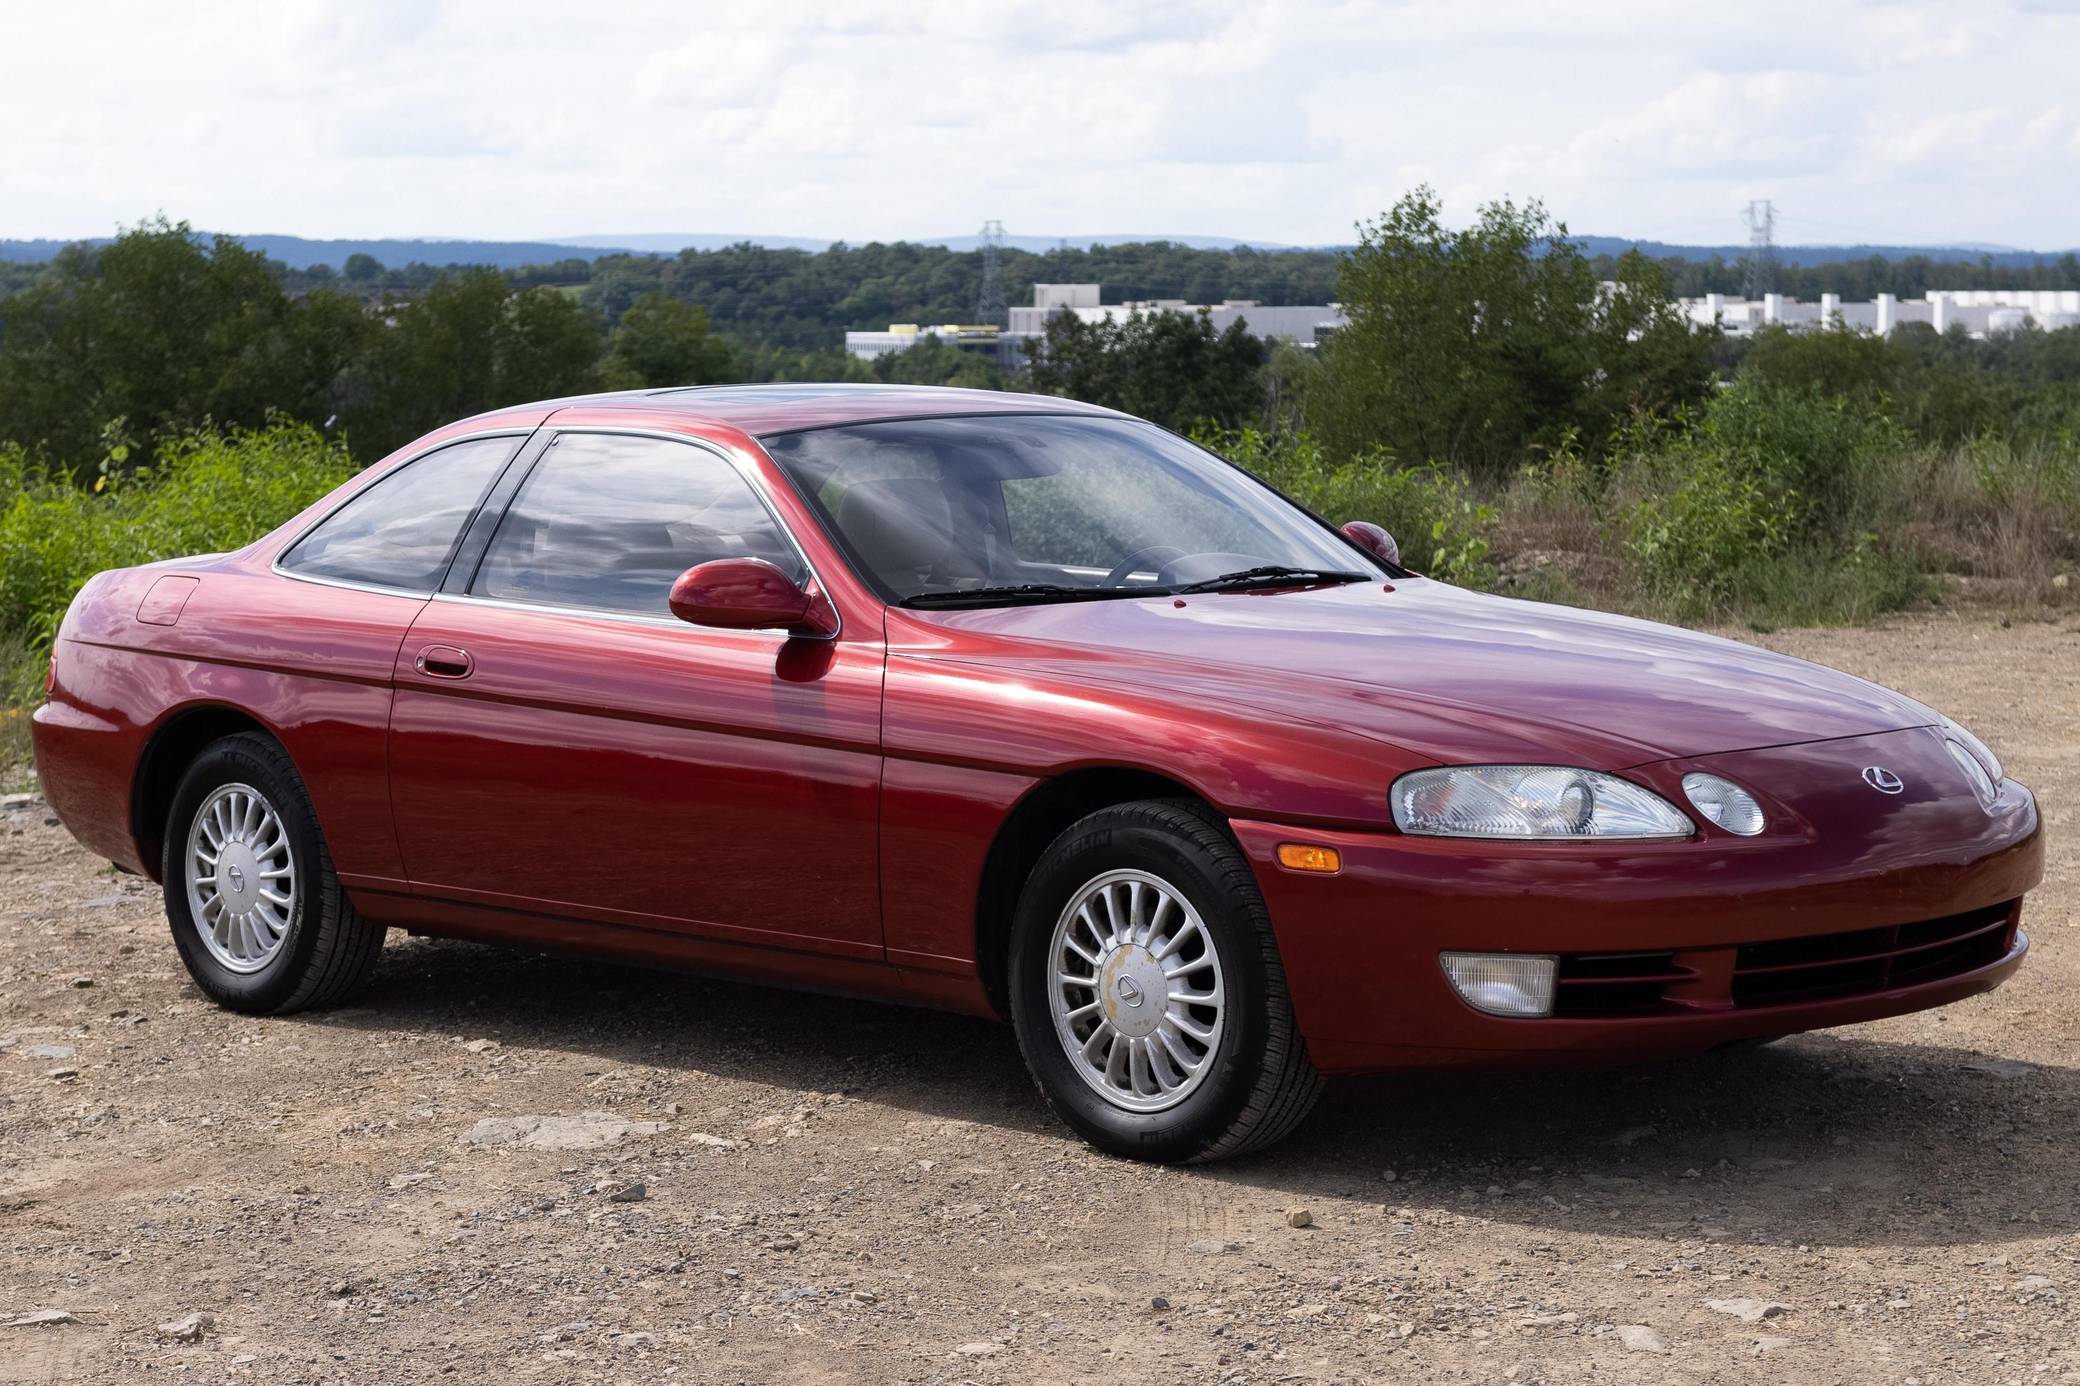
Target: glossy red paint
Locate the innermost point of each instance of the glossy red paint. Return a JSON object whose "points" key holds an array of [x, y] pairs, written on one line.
{"points": [[842, 811], [1374, 540], [750, 594]]}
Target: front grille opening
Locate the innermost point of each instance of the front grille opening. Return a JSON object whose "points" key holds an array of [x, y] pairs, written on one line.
{"points": [[1864, 960], [1592, 984], [1787, 971]]}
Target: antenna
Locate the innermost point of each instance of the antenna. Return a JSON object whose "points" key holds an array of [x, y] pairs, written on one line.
{"points": [[989, 303], [1761, 276]]}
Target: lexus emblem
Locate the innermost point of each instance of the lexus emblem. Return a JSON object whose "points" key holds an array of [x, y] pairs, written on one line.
{"points": [[1882, 780], [1130, 991]]}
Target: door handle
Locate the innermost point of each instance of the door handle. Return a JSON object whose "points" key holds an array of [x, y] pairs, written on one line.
{"points": [[444, 662]]}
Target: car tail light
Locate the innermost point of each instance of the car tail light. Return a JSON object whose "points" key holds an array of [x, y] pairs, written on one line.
{"points": [[1515, 984]]}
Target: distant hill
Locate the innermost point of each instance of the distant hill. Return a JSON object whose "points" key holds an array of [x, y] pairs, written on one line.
{"points": [[1803, 255], [298, 252]]}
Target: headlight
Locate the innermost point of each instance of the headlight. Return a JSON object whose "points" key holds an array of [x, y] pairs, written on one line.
{"points": [[1724, 802], [1981, 752], [1982, 784], [1530, 802]]}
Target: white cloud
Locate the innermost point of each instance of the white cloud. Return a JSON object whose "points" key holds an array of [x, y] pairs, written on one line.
{"points": [[1281, 120]]}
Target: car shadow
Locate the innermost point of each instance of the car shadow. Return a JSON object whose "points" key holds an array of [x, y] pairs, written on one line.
{"points": [[1824, 1139]]}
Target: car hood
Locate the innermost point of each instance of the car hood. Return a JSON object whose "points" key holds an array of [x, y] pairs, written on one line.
{"points": [[1453, 675]]}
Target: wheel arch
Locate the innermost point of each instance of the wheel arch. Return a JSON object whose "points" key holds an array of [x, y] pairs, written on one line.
{"points": [[1035, 821], [173, 746]]}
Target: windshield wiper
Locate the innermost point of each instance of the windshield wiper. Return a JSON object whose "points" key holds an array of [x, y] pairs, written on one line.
{"points": [[1269, 575], [1016, 592]]}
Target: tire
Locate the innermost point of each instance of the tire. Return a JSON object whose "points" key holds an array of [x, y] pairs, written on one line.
{"points": [[266, 958], [1251, 1085]]}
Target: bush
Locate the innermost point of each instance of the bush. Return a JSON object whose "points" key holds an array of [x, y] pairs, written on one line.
{"points": [[1760, 474], [205, 491], [1442, 529]]}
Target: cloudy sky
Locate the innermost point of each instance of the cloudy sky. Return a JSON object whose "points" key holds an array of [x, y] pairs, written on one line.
{"points": [[1914, 121]]}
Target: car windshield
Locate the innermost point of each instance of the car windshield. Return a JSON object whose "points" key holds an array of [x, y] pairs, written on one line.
{"points": [[1007, 509]]}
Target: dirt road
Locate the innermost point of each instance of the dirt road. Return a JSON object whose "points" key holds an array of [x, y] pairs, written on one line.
{"points": [[839, 1191]]}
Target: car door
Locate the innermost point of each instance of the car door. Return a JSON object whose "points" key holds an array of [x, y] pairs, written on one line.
{"points": [[562, 744]]}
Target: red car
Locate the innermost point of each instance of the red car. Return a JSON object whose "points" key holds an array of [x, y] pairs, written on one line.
{"points": [[1019, 707]]}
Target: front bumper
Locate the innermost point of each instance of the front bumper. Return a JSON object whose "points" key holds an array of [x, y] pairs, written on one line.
{"points": [[1842, 873]]}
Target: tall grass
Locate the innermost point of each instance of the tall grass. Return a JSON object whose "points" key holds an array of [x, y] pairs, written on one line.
{"points": [[1768, 506], [204, 491]]}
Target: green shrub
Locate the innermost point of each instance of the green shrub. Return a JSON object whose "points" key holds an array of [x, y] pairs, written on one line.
{"points": [[1441, 527], [204, 492], [1760, 474]]}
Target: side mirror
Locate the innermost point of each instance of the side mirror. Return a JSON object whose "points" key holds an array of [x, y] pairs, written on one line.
{"points": [[750, 594], [1374, 540]]}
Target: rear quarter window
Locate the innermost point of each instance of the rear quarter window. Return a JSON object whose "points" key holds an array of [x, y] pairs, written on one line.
{"points": [[403, 530]]}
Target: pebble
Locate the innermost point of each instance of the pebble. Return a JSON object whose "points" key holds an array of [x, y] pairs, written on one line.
{"points": [[1299, 1217], [712, 1142], [61, 1075], [1747, 1310], [189, 1327], [1159, 1303], [1637, 1337], [481, 1046], [43, 1318], [585, 1131], [1206, 1246], [82, 983], [629, 1193]]}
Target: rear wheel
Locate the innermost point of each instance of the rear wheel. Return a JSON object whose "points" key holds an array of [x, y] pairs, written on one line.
{"points": [[1147, 992], [258, 916]]}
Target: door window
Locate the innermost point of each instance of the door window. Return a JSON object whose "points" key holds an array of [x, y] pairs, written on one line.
{"points": [[608, 522], [402, 531]]}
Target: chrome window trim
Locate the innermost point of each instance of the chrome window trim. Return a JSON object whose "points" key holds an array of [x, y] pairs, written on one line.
{"points": [[384, 589], [744, 473]]}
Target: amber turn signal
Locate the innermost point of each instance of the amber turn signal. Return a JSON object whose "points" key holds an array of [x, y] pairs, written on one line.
{"points": [[1298, 856]]}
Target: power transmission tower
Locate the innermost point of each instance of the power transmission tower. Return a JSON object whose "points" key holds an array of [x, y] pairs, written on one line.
{"points": [[989, 303], [1762, 249]]}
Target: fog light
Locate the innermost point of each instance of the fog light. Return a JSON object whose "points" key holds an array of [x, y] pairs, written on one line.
{"points": [[1503, 983]]}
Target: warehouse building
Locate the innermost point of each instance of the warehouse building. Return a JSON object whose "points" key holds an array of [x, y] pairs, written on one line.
{"points": [[1978, 312], [1302, 325]]}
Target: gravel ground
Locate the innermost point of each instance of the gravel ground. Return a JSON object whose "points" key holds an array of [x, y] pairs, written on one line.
{"points": [[746, 1185]]}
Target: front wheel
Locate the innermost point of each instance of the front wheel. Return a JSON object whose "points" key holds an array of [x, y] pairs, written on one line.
{"points": [[1147, 991], [260, 920]]}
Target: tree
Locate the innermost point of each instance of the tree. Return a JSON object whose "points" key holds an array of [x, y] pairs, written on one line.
{"points": [[470, 343], [1172, 368], [159, 330], [1470, 347], [664, 341]]}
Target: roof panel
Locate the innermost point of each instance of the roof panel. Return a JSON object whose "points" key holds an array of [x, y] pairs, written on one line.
{"points": [[778, 408]]}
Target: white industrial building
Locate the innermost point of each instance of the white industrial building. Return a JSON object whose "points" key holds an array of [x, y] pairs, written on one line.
{"points": [[1979, 312], [1302, 325]]}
